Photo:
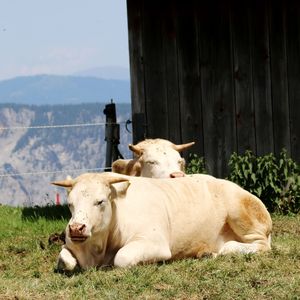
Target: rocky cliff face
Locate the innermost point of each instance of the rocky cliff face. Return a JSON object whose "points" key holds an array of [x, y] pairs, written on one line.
{"points": [[43, 155]]}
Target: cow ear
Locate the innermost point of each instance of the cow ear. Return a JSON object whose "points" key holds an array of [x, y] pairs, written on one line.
{"points": [[136, 149], [134, 167], [120, 185], [182, 147]]}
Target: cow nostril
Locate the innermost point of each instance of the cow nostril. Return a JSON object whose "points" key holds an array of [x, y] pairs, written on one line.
{"points": [[81, 227], [77, 229], [177, 174]]}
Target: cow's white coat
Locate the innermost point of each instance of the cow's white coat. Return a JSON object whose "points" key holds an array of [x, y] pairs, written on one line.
{"points": [[144, 220]]}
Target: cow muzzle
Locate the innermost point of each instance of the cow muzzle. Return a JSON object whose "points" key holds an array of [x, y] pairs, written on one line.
{"points": [[77, 232], [177, 174]]}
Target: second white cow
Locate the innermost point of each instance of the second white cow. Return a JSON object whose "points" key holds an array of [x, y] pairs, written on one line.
{"points": [[155, 158], [124, 221]]}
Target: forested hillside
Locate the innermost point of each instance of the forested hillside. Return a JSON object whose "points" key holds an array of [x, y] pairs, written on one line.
{"points": [[25, 150]]}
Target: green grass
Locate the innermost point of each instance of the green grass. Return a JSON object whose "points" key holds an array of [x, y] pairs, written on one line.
{"points": [[27, 264]]}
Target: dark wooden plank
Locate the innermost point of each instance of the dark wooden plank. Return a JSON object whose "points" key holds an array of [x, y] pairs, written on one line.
{"points": [[189, 76], [279, 76], [242, 70], [261, 77], [293, 54], [217, 85], [154, 67], [169, 40], [138, 101]]}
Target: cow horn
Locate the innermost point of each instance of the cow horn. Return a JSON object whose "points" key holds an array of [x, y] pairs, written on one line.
{"points": [[182, 147], [67, 183], [136, 149], [113, 180]]}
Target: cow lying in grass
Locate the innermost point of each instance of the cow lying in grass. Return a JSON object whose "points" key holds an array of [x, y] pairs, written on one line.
{"points": [[155, 158], [123, 221]]}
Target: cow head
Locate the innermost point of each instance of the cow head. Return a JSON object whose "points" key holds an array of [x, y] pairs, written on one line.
{"points": [[89, 201], [160, 158]]}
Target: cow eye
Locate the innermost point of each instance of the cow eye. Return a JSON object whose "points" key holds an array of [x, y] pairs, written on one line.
{"points": [[99, 202], [151, 162]]}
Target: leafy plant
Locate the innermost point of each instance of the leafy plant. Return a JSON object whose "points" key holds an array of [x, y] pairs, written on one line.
{"points": [[276, 181], [196, 165]]}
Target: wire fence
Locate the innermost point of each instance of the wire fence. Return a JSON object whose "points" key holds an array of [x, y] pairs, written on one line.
{"points": [[58, 126], [33, 154], [36, 173], [55, 127], [53, 172], [32, 187]]}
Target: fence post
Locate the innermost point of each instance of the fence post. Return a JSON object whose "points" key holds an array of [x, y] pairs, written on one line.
{"points": [[112, 135]]}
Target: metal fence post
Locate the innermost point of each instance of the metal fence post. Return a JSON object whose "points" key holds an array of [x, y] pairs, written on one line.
{"points": [[112, 135]]}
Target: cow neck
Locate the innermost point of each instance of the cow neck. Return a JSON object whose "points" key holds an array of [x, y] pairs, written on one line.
{"points": [[98, 248], [95, 248], [114, 232]]}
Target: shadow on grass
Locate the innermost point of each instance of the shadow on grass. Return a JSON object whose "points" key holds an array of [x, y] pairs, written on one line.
{"points": [[78, 270], [49, 212]]}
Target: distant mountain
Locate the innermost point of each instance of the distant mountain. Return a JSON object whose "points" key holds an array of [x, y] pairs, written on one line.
{"points": [[108, 72], [31, 150], [52, 89]]}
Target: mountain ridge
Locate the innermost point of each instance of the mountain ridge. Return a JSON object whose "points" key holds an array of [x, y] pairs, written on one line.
{"points": [[106, 72], [69, 89]]}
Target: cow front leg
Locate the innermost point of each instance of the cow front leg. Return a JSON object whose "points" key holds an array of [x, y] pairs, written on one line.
{"points": [[141, 252], [66, 261]]}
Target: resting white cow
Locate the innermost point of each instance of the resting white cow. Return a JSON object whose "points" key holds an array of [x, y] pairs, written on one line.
{"points": [[156, 158], [124, 221]]}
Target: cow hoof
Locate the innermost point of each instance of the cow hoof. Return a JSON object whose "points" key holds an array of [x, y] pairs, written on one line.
{"points": [[66, 261]]}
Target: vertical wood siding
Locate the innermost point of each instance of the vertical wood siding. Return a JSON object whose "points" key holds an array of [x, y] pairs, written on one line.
{"points": [[222, 73]]}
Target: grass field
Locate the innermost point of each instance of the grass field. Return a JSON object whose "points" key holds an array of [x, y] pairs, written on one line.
{"points": [[27, 264]]}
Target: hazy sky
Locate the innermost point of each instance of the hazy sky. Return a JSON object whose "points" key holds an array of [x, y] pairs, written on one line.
{"points": [[61, 36]]}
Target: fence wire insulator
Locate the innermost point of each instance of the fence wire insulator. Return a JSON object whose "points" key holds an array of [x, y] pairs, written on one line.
{"points": [[128, 122]]}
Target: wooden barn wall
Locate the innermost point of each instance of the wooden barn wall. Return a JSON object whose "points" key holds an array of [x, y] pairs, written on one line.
{"points": [[222, 73]]}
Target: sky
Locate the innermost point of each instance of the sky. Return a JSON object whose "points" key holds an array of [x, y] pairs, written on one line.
{"points": [[61, 36]]}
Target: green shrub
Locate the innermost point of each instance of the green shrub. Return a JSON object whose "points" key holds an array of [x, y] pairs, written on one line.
{"points": [[195, 165], [276, 181]]}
